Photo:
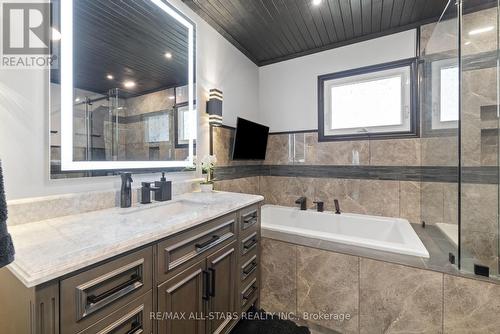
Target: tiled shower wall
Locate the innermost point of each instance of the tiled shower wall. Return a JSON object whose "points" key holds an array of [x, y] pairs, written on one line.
{"points": [[134, 129]]}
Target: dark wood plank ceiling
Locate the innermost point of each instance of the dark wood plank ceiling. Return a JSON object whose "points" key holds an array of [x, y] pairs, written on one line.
{"points": [[268, 31], [127, 39]]}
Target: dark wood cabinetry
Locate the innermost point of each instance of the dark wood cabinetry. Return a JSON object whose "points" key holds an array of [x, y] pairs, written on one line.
{"points": [[193, 282], [222, 268], [200, 299], [182, 302]]}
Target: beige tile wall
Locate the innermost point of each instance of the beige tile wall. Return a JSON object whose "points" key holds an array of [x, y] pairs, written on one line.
{"points": [[432, 202], [36, 209], [398, 152], [380, 297], [373, 197], [249, 185]]}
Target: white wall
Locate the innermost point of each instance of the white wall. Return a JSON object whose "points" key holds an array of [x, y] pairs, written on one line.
{"points": [[24, 127], [288, 90]]}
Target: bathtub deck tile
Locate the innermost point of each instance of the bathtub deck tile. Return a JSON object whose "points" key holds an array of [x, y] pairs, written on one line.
{"points": [[399, 299], [279, 272], [327, 283], [471, 306]]}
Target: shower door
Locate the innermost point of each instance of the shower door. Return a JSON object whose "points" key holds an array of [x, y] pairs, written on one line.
{"points": [[459, 70], [479, 149], [439, 110]]}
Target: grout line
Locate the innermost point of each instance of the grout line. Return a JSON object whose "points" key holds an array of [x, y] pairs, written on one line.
{"points": [[442, 305], [369, 153], [359, 294], [296, 279], [399, 199], [442, 214]]}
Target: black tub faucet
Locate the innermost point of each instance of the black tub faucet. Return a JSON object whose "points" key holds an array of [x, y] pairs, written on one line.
{"points": [[337, 206], [320, 206], [303, 203], [126, 190]]}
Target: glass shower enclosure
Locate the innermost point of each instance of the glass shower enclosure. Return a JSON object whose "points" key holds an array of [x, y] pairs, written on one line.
{"points": [[459, 71]]}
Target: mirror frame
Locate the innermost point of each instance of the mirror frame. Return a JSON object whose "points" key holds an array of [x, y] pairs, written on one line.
{"points": [[67, 162]]}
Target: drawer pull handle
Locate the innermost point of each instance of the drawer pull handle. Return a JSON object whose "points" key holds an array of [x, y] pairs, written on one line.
{"points": [[249, 293], [206, 283], [208, 242], [250, 268], [212, 285], [249, 222], [251, 215], [252, 243], [117, 291], [250, 219], [136, 328]]}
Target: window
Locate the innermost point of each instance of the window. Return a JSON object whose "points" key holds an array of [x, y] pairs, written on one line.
{"points": [[183, 125], [445, 94], [157, 129], [449, 94], [183, 118], [375, 101]]}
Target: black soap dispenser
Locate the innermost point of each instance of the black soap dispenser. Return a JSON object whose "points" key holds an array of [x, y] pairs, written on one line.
{"points": [[164, 193], [126, 190]]}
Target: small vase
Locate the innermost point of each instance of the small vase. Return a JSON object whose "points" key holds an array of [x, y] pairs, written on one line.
{"points": [[207, 188]]}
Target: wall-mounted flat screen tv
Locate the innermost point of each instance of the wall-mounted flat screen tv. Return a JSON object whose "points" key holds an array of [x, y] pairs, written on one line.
{"points": [[250, 140]]}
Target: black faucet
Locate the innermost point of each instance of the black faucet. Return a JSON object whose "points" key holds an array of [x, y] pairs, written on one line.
{"points": [[337, 206], [320, 206], [162, 190], [146, 190], [303, 203], [126, 191]]}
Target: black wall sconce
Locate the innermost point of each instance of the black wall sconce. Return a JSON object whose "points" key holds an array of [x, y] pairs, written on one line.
{"points": [[214, 111], [214, 107]]}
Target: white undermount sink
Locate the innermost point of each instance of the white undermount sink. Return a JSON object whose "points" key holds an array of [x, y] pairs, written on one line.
{"points": [[167, 208]]}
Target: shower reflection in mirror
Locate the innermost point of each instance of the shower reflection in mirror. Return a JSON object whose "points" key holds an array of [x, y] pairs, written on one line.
{"points": [[133, 103]]}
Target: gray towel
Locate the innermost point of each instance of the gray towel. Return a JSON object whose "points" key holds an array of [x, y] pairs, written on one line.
{"points": [[6, 245]]}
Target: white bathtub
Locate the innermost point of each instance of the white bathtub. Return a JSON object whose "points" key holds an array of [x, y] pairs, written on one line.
{"points": [[381, 233]]}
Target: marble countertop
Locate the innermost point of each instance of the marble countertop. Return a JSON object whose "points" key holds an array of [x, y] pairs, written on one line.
{"points": [[52, 248]]}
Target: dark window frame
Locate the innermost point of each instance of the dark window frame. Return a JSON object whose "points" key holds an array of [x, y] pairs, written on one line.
{"points": [[414, 131]]}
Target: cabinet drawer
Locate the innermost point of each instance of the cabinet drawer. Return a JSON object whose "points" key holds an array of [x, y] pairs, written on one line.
{"points": [[249, 265], [249, 292], [249, 243], [249, 219], [179, 252], [133, 318], [96, 293]]}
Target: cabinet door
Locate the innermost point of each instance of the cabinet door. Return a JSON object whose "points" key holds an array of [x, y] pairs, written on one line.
{"points": [[182, 302], [223, 275]]}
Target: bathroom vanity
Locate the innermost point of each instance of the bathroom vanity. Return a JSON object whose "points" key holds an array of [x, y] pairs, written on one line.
{"points": [[186, 266]]}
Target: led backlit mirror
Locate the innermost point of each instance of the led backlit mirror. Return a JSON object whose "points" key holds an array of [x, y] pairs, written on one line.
{"points": [[123, 97]]}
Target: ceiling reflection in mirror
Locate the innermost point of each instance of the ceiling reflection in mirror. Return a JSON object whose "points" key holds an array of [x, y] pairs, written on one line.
{"points": [[130, 101]]}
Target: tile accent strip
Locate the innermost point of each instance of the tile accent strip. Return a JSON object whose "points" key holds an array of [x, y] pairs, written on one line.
{"points": [[480, 175], [237, 172]]}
